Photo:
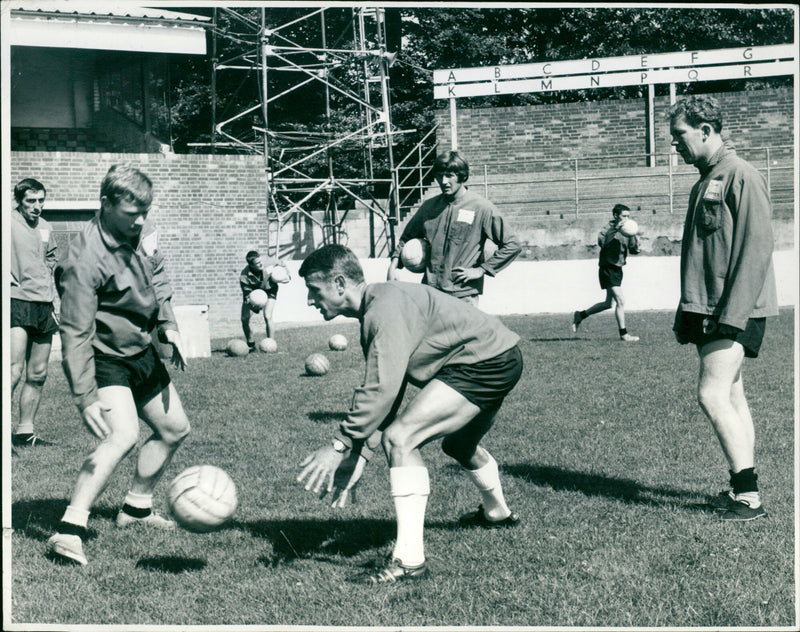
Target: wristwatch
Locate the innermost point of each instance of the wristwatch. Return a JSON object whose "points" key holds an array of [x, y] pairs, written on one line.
{"points": [[339, 446]]}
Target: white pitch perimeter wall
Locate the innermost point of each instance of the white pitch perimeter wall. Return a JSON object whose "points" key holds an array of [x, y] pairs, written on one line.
{"points": [[549, 287], [525, 287]]}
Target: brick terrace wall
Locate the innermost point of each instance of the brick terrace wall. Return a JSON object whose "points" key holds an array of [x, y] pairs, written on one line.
{"points": [[55, 138], [755, 118]]}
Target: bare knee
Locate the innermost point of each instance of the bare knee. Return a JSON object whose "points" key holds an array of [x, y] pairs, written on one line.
{"points": [[37, 373], [395, 441], [710, 397], [177, 432], [16, 372]]}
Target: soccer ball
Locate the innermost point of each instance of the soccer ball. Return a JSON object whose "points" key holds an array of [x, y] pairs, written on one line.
{"points": [[317, 364], [257, 298], [268, 345], [337, 342], [279, 274], [202, 498], [629, 227], [415, 255], [237, 348]]}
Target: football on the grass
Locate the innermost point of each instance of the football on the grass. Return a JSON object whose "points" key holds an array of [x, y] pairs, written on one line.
{"points": [[202, 498], [317, 364]]}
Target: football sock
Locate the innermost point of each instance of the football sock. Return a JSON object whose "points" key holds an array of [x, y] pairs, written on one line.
{"points": [[583, 314], [138, 505], [745, 487], [487, 480], [75, 517], [410, 487], [24, 429], [623, 331]]}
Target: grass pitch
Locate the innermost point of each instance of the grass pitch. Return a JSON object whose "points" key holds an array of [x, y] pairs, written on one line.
{"points": [[604, 454]]}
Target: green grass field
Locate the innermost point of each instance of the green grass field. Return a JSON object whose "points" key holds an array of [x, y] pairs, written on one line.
{"points": [[604, 454]]}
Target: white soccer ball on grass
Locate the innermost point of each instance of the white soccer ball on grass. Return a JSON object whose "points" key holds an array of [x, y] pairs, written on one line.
{"points": [[202, 498]]}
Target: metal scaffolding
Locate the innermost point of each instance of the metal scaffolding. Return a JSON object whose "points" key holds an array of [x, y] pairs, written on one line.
{"points": [[316, 175]]}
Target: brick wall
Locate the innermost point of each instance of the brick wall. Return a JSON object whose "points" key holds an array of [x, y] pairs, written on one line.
{"points": [[210, 210], [755, 118]]}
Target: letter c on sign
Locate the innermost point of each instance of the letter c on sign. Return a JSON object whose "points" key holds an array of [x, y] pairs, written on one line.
{"points": [[546, 69]]}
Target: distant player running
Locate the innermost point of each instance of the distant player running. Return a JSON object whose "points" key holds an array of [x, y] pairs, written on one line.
{"points": [[464, 361], [614, 249]]}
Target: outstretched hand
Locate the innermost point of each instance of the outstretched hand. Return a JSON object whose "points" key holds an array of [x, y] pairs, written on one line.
{"points": [[319, 469], [344, 481]]}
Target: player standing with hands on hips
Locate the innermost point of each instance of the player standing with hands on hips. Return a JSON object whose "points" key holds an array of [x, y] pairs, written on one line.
{"points": [[456, 225], [33, 322], [727, 288], [464, 361], [614, 249], [114, 293]]}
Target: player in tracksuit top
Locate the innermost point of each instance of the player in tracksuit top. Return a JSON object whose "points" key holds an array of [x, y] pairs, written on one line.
{"points": [[456, 224], [728, 288], [114, 294], [32, 318], [464, 361]]}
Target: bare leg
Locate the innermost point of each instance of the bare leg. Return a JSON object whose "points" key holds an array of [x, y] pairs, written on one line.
{"points": [[164, 414], [35, 376], [721, 396]]}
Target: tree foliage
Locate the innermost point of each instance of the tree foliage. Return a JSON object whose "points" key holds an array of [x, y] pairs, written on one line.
{"points": [[437, 38]]}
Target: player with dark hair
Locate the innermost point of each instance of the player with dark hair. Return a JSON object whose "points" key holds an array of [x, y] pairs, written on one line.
{"points": [[728, 288], [257, 276], [464, 362], [614, 250], [114, 293], [456, 224], [33, 321]]}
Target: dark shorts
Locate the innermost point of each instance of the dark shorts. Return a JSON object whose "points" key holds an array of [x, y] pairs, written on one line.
{"points": [[486, 383], [610, 276], [144, 373], [697, 329], [35, 317]]}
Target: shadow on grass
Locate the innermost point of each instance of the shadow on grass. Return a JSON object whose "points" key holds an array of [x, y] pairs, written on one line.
{"points": [[171, 564], [560, 339], [623, 489], [38, 519], [325, 417], [297, 539]]}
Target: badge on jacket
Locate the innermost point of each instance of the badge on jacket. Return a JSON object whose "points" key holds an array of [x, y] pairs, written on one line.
{"points": [[465, 215], [713, 191]]}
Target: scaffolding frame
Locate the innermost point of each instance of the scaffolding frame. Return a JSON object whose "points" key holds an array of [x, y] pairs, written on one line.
{"points": [[298, 187]]}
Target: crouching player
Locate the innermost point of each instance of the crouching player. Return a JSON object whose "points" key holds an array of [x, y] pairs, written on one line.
{"points": [[114, 293], [465, 363]]}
